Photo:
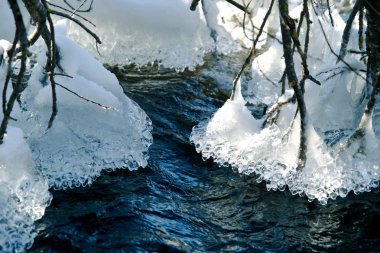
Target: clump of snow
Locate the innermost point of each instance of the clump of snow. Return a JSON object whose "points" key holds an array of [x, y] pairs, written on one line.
{"points": [[24, 193], [234, 137], [85, 138]]}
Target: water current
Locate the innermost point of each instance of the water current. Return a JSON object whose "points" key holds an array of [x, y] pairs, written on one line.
{"points": [[180, 203]]}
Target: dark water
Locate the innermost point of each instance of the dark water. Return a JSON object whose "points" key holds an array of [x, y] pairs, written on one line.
{"points": [[180, 203]]}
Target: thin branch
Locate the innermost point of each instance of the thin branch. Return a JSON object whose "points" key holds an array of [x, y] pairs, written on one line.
{"points": [[290, 25], [264, 75], [78, 10], [252, 51], [330, 12], [250, 19], [373, 71], [347, 29], [292, 79], [86, 99], [194, 5], [237, 5], [77, 22], [80, 6], [289, 129], [10, 54], [332, 50], [72, 13], [21, 34], [53, 53], [274, 111], [361, 25]]}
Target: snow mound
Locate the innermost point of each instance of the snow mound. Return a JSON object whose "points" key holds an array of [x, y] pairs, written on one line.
{"points": [[24, 194], [85, 138]]}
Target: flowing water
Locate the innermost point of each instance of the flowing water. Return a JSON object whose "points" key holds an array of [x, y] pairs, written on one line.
{"points": [[180, 203]]}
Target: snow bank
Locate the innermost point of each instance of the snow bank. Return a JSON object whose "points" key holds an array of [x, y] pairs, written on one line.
{"points": [[234, 137]]}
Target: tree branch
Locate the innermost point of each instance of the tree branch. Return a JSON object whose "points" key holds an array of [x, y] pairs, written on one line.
{"points": [[293, 80], [77, 22], [22, 37], [347, 30]]}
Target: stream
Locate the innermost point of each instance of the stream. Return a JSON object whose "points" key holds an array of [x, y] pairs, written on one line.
{"points": [[180, 203]]}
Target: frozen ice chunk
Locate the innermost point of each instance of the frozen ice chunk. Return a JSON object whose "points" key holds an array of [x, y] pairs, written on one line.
{"points": [[233, 137], [24, 193], [144, 31], [106, 130]]}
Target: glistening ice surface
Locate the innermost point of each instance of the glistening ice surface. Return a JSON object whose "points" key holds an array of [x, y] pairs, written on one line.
{"points": [[23, 193], [145, 31], [234, 137], [85, 137]]}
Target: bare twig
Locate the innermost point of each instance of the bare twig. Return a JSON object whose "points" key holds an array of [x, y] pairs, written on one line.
{"points": [[293, 80], [22, 37], [373, 70], [86, 99], [330, 13], [72, 13], [274, 111], [52, 53], [10, 53], [252, 51], [237, 5], [78, 23], [78, 9], [332, 50], [347, 29], [361, 25], [246, 13], [194, 5], [264, 75]]}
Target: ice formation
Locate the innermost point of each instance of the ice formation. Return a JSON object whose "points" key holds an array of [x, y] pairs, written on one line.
{"points": [[234, 137], [24, 193], [145, 31], [85, 138]]}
